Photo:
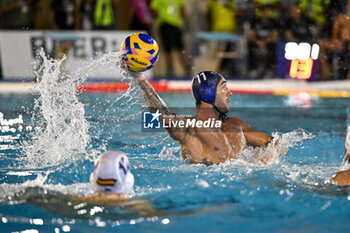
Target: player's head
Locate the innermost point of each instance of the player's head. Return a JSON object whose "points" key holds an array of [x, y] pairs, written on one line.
{"points": [[112, 174], [210, 87]]}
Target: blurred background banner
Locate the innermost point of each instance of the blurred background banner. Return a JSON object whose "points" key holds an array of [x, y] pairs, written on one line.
{"points": [[19, 50]]}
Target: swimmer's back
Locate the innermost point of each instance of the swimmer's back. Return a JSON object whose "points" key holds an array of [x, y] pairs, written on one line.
{"points": [[139, 205]]}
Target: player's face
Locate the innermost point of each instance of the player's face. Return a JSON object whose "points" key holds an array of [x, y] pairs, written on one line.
{"points": [[222, 97]]}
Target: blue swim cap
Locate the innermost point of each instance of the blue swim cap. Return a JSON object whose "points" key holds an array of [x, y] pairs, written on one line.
{"points": [[204, 86]]}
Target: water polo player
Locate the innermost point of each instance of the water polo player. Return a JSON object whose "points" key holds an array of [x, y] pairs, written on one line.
{"points": [[112, 174], [113, 182], [211, 145], [343, 177], [111, 178]]}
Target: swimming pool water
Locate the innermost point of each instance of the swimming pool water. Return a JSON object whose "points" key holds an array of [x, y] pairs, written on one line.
{"points": [[290, 195]]}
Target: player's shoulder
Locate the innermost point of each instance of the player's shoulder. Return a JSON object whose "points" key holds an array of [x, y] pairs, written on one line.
{"points": [[235, 122]]}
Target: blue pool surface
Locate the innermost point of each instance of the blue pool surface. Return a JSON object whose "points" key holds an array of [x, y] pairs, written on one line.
{"points": [[293, 194]]}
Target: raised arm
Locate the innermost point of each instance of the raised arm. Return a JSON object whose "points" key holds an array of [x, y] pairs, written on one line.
{"points": [[156, 103], [152, 97]]}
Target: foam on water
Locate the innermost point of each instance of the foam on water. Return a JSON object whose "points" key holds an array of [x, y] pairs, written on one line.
{"points": [[248, 165], [277, 148], [274, 151], [59, 134], [61, 130]]}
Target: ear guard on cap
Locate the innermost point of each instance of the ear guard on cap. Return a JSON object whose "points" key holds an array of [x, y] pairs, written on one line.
{"points": [[207, 93]]}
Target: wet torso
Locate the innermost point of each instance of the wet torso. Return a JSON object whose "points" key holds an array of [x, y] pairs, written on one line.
{"points": [[215, 145]]}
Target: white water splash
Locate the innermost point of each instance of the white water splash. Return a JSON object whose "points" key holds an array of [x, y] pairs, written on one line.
{"points": [[7, 189], [170, 152], [61, 134], [276, 149]]}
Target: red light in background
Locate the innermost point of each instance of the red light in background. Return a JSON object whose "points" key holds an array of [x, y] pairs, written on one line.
{"points": [[301, 69]]}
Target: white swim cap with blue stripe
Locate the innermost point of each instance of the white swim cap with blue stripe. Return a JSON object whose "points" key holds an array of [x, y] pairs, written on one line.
{"points": [[112, 174]]}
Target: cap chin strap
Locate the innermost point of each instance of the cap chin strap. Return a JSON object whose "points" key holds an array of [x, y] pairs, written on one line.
{"points": [[222, 116]]}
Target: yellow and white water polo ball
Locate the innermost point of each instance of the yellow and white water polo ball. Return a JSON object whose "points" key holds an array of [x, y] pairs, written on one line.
{"points": [[142, 52]]}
